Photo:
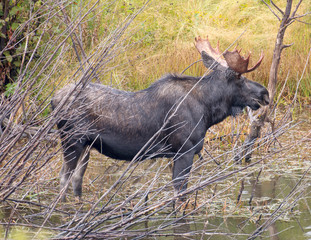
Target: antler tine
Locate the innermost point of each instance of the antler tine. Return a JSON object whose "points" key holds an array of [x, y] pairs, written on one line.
{"points": [[218, 50], [257, 64]]}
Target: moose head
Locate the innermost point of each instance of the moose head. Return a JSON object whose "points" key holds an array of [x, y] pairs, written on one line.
{"points": [[244, 92]]}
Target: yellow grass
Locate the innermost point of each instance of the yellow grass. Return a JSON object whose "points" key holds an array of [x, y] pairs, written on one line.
{"points": [[164, 32]]}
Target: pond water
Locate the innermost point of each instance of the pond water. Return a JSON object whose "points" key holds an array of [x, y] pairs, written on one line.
{"points": [[235, 227], [278, 187], [280, 192]]}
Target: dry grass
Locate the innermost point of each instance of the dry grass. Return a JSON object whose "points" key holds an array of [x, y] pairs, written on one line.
{"points": [[165, 40], [160, 40]]}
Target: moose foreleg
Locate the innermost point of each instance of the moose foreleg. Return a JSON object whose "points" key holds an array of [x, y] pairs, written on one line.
{"points": [[181, 170]]}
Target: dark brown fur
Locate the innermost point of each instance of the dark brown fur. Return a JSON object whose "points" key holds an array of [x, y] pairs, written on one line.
{"points": [[119, 124]]}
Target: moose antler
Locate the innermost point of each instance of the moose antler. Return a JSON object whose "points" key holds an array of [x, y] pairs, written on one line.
{"points": [[204, 45], [238, 63], [232, 59]]}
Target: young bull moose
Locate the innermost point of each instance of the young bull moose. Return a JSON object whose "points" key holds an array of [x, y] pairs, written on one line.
{"points": [[168, 119]]}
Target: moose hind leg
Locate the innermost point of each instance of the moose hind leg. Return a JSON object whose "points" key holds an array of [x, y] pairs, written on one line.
{"points": [[71, 157], [78, 174]]}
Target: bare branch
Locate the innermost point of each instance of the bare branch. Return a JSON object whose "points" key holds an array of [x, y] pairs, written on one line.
{"points": [[287, 45], [300, 16], [271, 10], [296, 9], [280, 10], [123, 199], [303, 22]]}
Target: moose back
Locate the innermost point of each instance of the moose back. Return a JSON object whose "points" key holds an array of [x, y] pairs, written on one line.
{"points": [[168, 119]]}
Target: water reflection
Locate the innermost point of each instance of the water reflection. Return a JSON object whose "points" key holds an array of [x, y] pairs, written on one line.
{"points": [[219, 228], [308, 232], [182, 227]]}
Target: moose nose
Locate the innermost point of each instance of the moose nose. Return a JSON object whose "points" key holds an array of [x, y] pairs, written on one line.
{"points": [[266, 99]]}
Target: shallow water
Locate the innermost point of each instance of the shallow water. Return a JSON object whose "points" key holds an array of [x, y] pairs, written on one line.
{"points": [[219, 219], [277, 181], [199, 226]]}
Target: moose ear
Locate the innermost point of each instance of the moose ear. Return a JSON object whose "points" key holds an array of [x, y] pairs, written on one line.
{"points": [[211, 63]]}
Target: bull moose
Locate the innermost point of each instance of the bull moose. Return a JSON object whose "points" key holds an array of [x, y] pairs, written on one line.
{"points": [[168, 119]]}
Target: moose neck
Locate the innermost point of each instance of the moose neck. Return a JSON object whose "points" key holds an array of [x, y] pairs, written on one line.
{"points": [[217, 99], [217, 113]]}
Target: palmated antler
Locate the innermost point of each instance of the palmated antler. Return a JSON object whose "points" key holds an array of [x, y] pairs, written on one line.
{"points": [[232, 59], [204, 45], [238, 63]]}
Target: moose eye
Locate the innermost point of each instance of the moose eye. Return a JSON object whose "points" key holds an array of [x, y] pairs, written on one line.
{"points": [[240, 80]]}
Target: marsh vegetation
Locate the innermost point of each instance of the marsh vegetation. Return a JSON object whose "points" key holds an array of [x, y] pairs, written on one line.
{"points": [[128, 45]]}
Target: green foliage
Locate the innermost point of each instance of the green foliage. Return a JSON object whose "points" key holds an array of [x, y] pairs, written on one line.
{"points": [[10, 89], [13, 30], [26, 233], [8, 57]]}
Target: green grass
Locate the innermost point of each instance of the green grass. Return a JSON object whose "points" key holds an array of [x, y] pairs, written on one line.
{"points": [[165, 33]]}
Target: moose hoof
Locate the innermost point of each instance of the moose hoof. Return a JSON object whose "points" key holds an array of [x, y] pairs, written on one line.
{"points": [[78, 200]]}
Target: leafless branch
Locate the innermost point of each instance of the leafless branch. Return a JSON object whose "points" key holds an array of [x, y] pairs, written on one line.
{"points": [[274, 13], [296, 9], [300, 16], [126, 203], [274, 5]]}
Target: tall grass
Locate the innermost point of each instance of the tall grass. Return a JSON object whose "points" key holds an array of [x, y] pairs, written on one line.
{"points": [[164, 34], [130, 57]]}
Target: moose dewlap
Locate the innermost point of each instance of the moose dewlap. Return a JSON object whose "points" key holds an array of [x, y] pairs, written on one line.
{"points": [[168, 119]]}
